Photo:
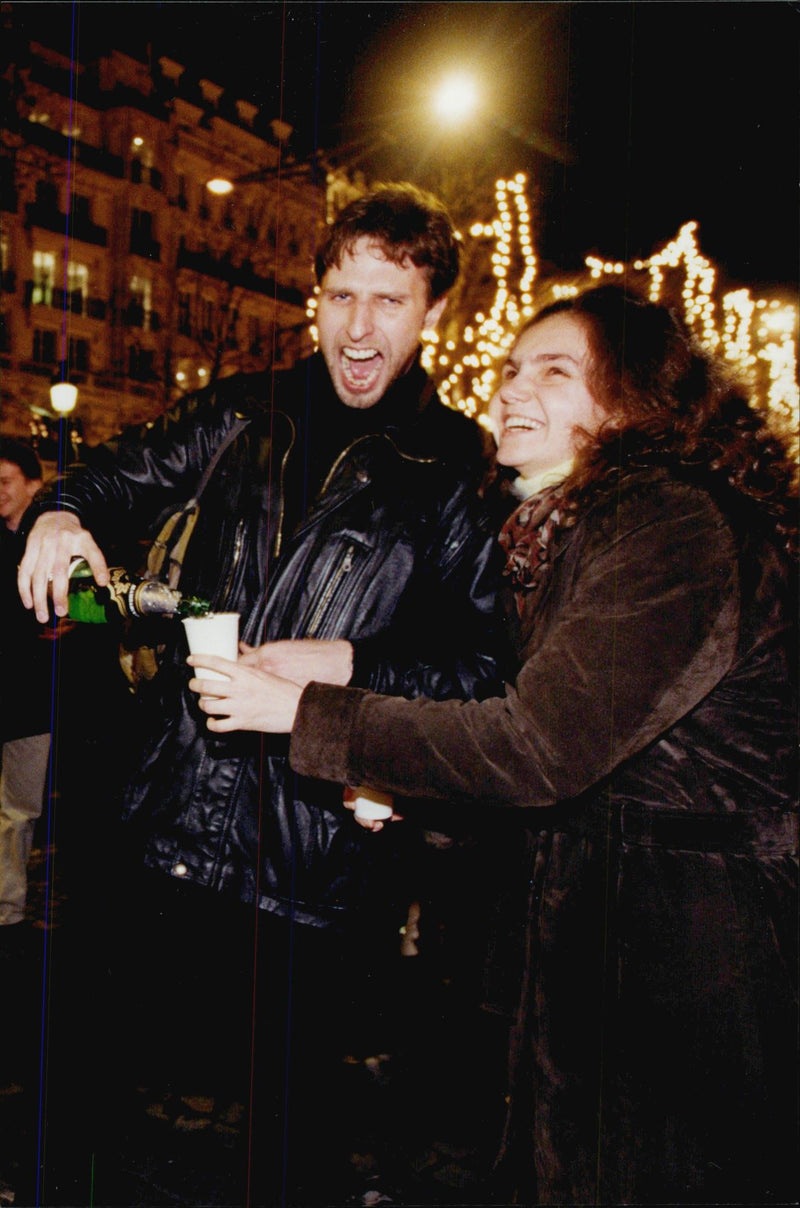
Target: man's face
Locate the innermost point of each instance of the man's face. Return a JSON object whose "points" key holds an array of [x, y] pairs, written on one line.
{"points": [[370, 316], [16, 492]]}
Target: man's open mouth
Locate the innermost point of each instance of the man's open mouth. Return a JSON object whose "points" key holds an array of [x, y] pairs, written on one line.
{"points": [[360, 367]]}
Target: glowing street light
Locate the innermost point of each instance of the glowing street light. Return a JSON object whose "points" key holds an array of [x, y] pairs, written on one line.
{"points": [[456, 98], [63, 397], [219, 186]]}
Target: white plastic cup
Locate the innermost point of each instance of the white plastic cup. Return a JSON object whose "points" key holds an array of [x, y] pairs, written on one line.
{"points": [[217, 633], [372, 806]]}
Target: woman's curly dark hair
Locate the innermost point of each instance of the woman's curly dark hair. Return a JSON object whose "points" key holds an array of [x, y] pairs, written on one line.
{"points": [[670, 403]]}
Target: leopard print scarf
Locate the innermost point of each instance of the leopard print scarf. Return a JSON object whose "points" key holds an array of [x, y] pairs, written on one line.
{"points": [[527, 538]]}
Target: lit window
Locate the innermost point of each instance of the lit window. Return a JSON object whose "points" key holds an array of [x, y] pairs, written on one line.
{"points": [[77, 277], [44, 272]]}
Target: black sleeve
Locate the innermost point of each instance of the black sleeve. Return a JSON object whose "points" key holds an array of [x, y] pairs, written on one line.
{"points": [[148, 468]]}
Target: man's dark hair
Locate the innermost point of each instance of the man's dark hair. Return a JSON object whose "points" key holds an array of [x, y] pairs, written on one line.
{"points": [[407, 223], [21, 455]]}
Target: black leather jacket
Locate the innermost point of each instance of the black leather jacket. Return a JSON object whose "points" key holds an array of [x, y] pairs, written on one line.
{"points": [[395, 553]]}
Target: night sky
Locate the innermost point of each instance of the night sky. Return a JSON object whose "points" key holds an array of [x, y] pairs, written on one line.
{"points": [[631, 118]]}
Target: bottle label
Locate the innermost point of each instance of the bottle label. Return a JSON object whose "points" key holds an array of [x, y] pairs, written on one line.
{"points": [[124, 596], [84, 606]]}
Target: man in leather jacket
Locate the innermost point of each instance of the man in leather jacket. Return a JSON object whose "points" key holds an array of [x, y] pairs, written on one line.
{"points": [[345, 508]]}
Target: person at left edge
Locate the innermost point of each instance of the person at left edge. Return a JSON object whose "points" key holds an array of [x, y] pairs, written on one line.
{"points": [[27, 659], [347, 509]]}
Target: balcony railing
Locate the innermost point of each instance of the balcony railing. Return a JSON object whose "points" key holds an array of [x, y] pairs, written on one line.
{"points": [[123, 96], [50, 218], [243, 275], [59, 299], [88, 232], [133, 316], [96, 308], [142, 245], [100, 160], [41, 369], [96, 158], [9, 198], [64, 300]]}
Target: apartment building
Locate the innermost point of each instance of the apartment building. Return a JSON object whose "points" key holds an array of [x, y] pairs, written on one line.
{"points": [[120, 269]]}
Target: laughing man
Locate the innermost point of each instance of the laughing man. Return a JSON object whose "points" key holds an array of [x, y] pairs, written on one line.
{"points": [[345, 510]]}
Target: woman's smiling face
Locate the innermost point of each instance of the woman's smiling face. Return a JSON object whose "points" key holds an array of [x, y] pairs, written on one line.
{"points": [[544, 396]]}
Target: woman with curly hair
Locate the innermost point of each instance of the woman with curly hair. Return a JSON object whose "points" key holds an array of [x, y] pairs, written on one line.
{"points": [[644, 759]]}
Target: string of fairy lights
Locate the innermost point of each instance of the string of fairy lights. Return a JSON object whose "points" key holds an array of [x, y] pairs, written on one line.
{"points": [[756, 335], [466, 381]]}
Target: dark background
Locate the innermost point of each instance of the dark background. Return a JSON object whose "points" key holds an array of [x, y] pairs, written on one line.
{"points": [[631, 118]]}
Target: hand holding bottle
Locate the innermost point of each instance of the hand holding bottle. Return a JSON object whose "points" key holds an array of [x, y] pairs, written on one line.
{"points": [[55, 539]]}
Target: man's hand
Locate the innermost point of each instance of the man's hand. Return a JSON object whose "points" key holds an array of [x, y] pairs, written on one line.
{"points": [[55, 539], [302, 660], [248, 700]]}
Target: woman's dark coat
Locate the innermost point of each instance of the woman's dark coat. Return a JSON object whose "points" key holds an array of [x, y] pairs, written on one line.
{"points": [[646, 754]]}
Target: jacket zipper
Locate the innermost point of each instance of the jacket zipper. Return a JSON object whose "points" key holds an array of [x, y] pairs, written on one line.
{"points": [[276, 549], [237, 553], [344, 568], [346, 565]]}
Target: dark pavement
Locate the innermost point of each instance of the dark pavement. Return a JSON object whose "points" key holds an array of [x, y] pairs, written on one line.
{"points": [[422, 1116]]}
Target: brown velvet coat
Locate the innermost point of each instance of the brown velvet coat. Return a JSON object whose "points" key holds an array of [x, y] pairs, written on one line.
{"points": [[647, 752]]}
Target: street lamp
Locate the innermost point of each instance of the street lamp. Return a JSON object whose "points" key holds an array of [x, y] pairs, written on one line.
{"points": [[219, 186], [455, 98], [63, 400], [63, 397]]}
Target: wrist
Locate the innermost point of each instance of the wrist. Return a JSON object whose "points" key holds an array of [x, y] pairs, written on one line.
{"points": [[345, 655]]}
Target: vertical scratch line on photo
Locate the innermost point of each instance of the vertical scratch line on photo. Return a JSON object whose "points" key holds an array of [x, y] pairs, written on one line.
{"points": [[49, 825]]}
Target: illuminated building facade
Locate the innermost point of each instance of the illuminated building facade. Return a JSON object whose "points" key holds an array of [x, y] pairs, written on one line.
{"points": [[120, 268]]}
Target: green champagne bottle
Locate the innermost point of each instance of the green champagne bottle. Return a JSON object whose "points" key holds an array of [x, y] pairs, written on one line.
{"points": [[125, 596]]}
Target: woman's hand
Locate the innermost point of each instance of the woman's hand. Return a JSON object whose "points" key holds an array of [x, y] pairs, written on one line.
{"points": [[248, 699], [302, 660], [349, 797]]}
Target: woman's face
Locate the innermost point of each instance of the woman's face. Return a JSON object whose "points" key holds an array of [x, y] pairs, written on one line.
{"points": [[543, 397]]}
